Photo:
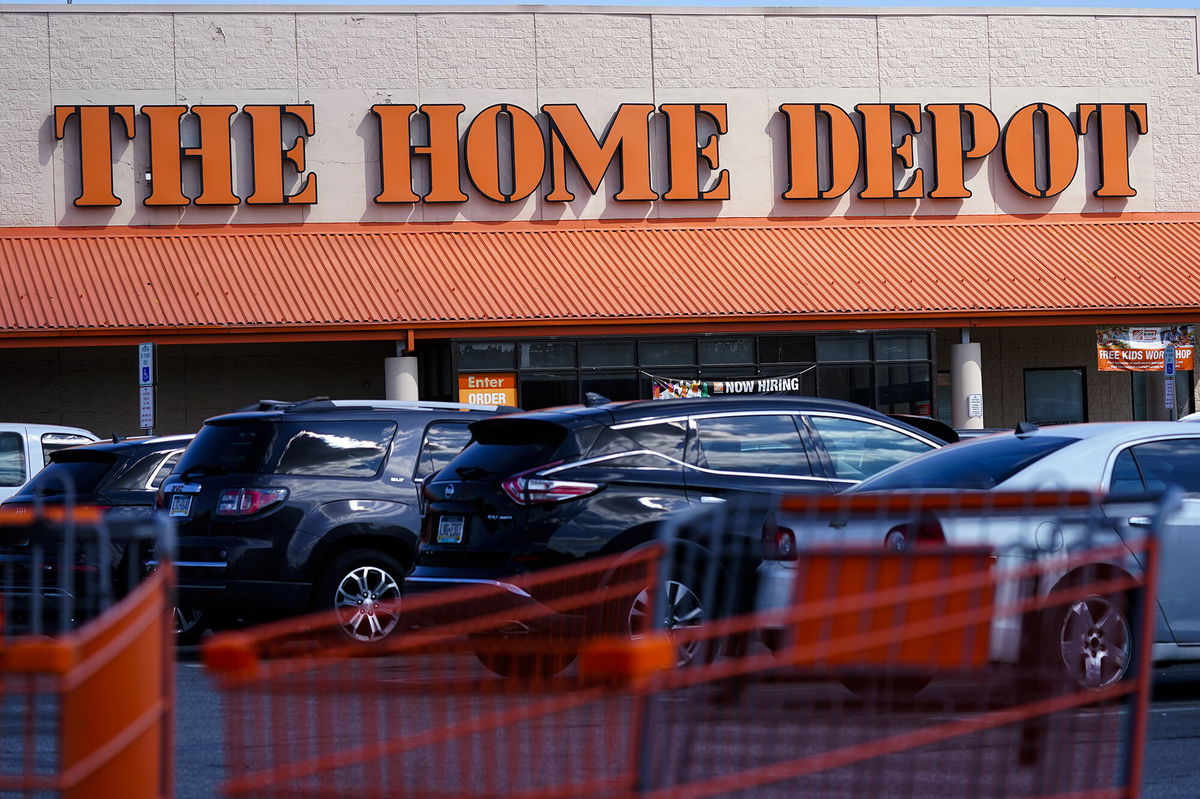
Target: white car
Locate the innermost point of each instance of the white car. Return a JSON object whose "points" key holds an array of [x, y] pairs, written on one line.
{"points": [[25, 449], [1127, 459]]}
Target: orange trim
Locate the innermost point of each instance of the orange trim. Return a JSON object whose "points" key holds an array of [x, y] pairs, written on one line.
{"points": [[356, 281], [727, 223]]}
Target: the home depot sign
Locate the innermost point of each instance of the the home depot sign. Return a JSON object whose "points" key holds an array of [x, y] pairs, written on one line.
{"points": [[507, 152]]}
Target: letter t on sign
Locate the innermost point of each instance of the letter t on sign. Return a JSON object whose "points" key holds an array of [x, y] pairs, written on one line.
{"points": [[95, 148]]}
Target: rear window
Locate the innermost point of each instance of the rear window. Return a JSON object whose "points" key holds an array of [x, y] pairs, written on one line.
{"points": [[316, 449], [503, 447], [53, 442], [227, 449], [977, 466], [80, 475]]}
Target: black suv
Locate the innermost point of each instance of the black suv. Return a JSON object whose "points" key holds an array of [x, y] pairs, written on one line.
{"points": [[118, 478], [552, 487], [290, 507]]}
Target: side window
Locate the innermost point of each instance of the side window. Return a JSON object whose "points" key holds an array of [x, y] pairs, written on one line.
{"points": [[767, 444], [443, 440], [137, 476], [334, 449], [665, 438], [12, 459], [859, 449], [53, 442], [165, 469], [1126, 477], [1172, 462]]}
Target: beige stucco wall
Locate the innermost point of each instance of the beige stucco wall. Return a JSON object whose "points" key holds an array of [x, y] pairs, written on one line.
{"points": [[344, 60]]}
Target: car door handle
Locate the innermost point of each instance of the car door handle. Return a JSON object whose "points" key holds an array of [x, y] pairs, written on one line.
{"points": [[1140, 521], [712, 499]]}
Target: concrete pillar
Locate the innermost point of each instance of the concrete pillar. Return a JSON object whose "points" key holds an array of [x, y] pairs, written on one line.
{"points": [[400, 378], [966, 385]]}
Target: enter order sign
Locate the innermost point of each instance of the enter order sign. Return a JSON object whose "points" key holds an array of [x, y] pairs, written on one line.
{"points": [[490, 388]]}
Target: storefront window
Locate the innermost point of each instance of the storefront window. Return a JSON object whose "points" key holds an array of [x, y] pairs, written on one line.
{"points": [[616, 386], [844, 348], [548, 354], [726, 350], [902, 347], [1055, 396], [557, 371], [667, 352], [607, 353], [1147, 389], [487, 355], [542, 390], [945, 405], [851, 383], [787, 349], [904, 388]]}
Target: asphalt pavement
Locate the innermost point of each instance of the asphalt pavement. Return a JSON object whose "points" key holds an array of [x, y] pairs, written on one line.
{"points": [[1170, 766]]}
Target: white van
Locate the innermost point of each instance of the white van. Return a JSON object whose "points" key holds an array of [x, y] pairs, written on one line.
{"points": [[26, 448]]}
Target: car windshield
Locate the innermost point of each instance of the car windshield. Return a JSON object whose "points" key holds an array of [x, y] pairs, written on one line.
{"points": [[979, 465]]}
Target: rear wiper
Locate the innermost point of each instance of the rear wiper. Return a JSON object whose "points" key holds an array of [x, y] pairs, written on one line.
{"points": [[472, 472], [197, 471]]}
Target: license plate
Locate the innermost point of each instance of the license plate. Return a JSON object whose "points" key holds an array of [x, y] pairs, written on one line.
{"points": [[450, 530], [181, 505]]}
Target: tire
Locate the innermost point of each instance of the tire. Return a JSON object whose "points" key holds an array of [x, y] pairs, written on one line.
{"points": [[886, 688], [190, 625], [685, 610], [1091, 641], [363, 587], [523, 666]]}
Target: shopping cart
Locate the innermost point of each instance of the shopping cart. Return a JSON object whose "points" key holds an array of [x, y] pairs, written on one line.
{"points": [[86, 656], [645, 674]]}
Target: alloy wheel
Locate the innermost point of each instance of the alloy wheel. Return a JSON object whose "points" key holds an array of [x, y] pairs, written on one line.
{"points": [[367, 602], [1094, 642], [185, 619], [683, 610]]}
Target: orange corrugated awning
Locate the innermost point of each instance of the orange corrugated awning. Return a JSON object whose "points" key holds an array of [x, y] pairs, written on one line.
{"points": [[370, 281]]}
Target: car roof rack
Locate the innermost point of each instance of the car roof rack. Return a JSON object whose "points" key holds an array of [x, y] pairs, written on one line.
{"points": [[419, 405], [326, 404]]}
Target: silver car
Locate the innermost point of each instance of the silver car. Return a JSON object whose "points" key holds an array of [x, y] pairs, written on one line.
{"points": [[1126, 459]]}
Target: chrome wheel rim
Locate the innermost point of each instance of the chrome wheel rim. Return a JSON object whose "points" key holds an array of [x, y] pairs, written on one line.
{"points": [[1094, 643], [185, 619], [367, 602], [683, 610]]}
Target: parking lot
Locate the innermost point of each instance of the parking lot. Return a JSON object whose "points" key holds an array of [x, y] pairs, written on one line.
{"points": [[1170, 773]]}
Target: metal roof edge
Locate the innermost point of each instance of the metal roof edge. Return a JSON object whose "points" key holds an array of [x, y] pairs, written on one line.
{"points": [[616, 10], [603, 225]]}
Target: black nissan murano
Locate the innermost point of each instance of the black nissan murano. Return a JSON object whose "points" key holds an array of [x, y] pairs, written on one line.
{"points": [[553, 487]]}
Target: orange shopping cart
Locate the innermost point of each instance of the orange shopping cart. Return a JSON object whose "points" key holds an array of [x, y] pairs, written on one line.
{"points": [[767, 647], [86, 656]]}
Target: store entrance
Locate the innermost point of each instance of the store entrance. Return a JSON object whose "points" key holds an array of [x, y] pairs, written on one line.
{"points": [[890, 371]]}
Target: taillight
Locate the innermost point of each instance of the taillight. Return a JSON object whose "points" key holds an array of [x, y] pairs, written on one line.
{"points": [[779, 542], [247, 501], [525, 490]]}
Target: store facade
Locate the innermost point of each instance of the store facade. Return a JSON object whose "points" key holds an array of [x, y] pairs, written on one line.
{"points": [[923, 212]]}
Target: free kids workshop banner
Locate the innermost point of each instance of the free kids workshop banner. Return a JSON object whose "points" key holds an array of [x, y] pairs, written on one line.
{"points": [[1140, 349]]}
